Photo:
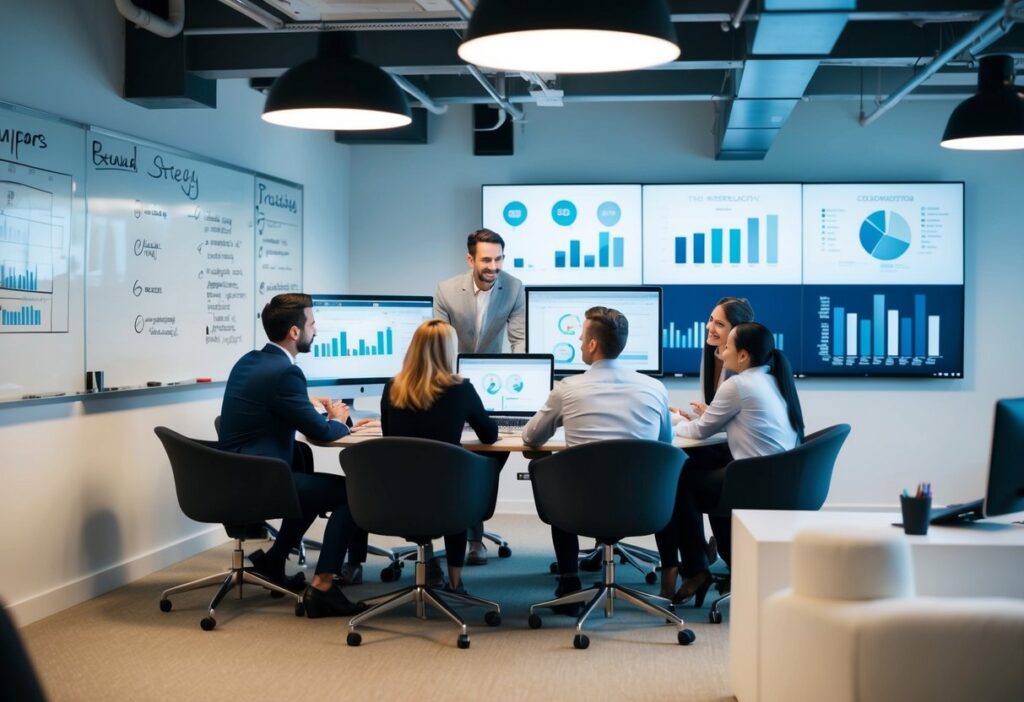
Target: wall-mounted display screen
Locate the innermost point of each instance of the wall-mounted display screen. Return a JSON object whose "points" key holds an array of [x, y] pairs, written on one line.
{"points": [[853, 279], [568, 234], [555, 315]]}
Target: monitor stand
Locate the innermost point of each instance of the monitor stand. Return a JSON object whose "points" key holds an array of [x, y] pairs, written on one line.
{"points": [[959, 515]]}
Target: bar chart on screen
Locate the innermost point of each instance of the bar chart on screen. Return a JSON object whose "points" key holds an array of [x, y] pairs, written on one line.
{"points": [[714, 234], [885, 329], [568, 234]]}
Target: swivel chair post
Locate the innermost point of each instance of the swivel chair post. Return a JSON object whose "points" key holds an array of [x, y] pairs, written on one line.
{"points": [[422, 594], [606, 592]]}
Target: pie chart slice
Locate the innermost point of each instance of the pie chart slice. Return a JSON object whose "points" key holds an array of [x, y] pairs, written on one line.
{"points": [[885, 235]]}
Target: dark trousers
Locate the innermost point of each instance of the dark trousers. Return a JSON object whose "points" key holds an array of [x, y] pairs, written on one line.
{"points": [[318, 493], [567, 550], [681, 543]]}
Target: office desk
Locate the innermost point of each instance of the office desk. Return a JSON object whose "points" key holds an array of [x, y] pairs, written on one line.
{"points": [[506, 443], [981, 560]]}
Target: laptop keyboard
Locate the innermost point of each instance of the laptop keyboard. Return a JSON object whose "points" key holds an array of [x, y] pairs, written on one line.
{"points": [[510, 425]]}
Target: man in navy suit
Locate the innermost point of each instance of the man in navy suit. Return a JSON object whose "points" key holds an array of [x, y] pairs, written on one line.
{"points": [[265, 403]]}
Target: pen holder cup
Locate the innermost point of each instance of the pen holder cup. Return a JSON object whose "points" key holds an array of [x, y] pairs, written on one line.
{"points": [[916, 513]]}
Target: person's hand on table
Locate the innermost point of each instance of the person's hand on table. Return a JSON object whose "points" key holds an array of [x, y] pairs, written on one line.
{"points": [[336, 409], [677, 415], [698, 408], [366, 424]]}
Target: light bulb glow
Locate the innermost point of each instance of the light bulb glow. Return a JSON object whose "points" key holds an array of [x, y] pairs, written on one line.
{"points": [[1003, 142], [337, 119]]}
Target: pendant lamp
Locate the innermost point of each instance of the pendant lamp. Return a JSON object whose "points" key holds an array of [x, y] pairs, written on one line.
{"points": [[569, 36], [336, 91], [992, 120]]}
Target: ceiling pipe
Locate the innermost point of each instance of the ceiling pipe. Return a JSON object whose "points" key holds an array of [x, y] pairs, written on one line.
{"points": [[983, 28], [737, 18], [255, 13], [424, 99], [165, 27], [515, 113]]}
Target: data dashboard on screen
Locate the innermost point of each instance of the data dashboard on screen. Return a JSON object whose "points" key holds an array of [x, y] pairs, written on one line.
{"points": [[362, 338], [568, 234], [555, 315]]}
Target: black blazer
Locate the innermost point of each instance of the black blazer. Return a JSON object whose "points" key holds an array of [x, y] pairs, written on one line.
{"points": [[457, 405], [265, 402]]}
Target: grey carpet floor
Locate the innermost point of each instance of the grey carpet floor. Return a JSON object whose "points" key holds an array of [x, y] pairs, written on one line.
{"points": [[120, 646]]}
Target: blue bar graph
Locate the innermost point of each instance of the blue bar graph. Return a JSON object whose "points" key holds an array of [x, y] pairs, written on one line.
{"points": [[18, 278], [716, 245], [611, 253], [920, 324], [865, 337], [698, 247], [680, 249], [518, 263], [839, 331], [338, 346], [734, 246], [879, 323], [27, 316], [753, 242], [772, 236], [693, 338], [906, 347]]}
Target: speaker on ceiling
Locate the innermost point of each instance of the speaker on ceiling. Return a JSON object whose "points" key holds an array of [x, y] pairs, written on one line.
{"points": [[492, 131]]}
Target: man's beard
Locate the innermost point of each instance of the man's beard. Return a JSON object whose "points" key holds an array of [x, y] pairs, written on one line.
{"points": [[304, 345]]}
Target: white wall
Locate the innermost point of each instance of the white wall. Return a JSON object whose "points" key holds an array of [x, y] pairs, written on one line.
{"points": [[413, 206], [88, 501]]}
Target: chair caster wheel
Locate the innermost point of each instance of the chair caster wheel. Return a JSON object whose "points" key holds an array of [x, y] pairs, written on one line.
{"points": [[581, 641], [390, 574], [715, 617], [650, 578], [492, 618], [504, 552], [208, 623], [686, 637], [671, 606], [300, 609], [553, 569], [463, 640], [165, 605], [354, 638], [534, 621]]}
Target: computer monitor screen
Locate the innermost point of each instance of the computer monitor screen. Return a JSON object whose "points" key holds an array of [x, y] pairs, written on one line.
{"points": [[509, 383], [1005, 491], [554, 320], [361, 338]]}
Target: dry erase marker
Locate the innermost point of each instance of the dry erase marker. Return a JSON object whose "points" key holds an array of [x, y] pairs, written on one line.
{"points": [[204, 380]]}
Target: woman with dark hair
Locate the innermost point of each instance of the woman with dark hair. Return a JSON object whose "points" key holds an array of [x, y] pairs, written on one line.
{"points": [[427, 400], [758, 408]]}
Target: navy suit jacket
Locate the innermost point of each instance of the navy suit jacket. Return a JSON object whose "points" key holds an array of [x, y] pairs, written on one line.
{"points": [[265, 402]]}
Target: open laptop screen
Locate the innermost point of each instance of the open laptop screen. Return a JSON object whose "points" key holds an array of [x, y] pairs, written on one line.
{"points": [[515, 384]]}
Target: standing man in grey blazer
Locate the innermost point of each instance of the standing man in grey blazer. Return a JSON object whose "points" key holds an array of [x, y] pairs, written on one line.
{"points": [[480, 304]]}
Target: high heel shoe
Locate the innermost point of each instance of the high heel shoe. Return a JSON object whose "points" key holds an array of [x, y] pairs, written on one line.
{"points": [[695, 586], [669, 576]]}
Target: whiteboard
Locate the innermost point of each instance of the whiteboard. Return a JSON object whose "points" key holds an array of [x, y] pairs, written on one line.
{"points": [[170, 273], [42, 243], [278, 243]]}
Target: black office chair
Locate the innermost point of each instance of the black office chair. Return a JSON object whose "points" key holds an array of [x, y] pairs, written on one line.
{"points": [[233, 489], [19, 677], [419, 489], [609, 490], [303, 463], [797, 479]]}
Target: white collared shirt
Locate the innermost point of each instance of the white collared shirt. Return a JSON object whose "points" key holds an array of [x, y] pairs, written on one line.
{"points": [[483, 301], [750, 408], [286, 351]]}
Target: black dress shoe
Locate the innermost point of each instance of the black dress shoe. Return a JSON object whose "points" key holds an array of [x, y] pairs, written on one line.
{"points": [[330, 603], [262, 567], [593, 562], [565, 586]]}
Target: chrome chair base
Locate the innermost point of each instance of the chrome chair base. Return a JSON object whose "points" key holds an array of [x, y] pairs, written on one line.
{"points": [[237, 576], [423, 595]]}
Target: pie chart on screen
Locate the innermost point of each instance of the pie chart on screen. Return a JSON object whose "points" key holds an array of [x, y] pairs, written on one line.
{"points": [[885, 235]]}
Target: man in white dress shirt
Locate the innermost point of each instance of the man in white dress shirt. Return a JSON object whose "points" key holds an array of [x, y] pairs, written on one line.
{"points": [[608, 401]]}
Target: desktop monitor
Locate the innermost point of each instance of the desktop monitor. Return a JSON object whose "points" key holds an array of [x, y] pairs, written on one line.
{"points": [[361, 339], [554, 320], [1005, 491]]}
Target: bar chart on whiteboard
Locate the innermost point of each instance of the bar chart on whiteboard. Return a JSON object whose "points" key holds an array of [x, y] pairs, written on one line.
{"points": [[35, 249]]}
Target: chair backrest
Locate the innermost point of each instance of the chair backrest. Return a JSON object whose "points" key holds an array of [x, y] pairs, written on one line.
{"points": [[418, 489], [231, 488], [608, 489], [797, 479]]}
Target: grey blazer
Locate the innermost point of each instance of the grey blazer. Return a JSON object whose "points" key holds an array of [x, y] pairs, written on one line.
{"points": [[455, 303]]}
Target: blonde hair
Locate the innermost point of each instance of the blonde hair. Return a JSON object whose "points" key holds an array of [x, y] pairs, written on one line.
{"points": [[429, 367]]}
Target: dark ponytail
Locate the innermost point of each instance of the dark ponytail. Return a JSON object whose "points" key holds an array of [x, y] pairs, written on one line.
{"points": [[737, 310], [756, 339]]}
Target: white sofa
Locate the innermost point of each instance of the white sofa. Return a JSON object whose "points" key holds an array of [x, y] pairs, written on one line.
{"points": [[851, 630]]}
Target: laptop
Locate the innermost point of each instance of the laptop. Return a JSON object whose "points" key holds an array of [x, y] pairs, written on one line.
{"points": [[512, 386]]}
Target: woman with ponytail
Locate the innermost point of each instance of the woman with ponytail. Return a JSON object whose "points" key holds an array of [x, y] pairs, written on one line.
{"points": [[758, 408]]}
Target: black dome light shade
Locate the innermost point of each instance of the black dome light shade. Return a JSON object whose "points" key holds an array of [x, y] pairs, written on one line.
{"points": [[992, 120]]}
